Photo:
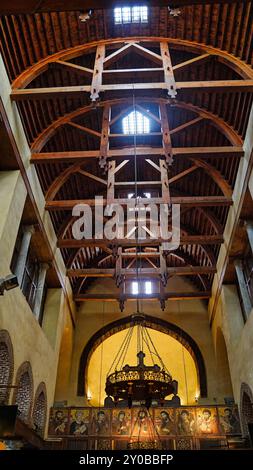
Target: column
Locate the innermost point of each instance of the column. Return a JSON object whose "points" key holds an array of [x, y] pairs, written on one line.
{"points": [[40, 289], [20, 268], [249, 228], [243, 287]]}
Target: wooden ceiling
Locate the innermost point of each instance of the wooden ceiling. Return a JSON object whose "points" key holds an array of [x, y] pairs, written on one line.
{"points": [[215, 116], [34, 6]]}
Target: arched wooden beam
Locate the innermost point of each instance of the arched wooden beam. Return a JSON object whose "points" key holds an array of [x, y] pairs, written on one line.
{"points": [[211, 218], [219, 123], [60, 180], [227, 130], [151, 322], [185, 258], [215, 175], [240, 67]]}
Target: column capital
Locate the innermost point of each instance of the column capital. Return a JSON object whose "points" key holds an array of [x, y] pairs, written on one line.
{"points": [[238, 262], [45, 266], [29, 229]]}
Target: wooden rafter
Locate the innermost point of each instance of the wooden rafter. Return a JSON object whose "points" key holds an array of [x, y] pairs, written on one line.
{"points": [[190, 201], [154, 296], [126, 242], [78, 90], [203, 152], [143, 272]]}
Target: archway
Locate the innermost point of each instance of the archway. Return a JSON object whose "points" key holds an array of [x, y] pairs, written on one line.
{"points": [[6, 366], [40, 409], [176, 358], [246, 408], [223, 377], [151, 322]]}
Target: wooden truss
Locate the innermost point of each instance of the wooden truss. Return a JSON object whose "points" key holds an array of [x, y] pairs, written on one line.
{"points": [[114, 160]]}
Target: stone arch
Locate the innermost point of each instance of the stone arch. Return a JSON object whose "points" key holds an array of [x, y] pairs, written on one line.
{"points": [[246, 408], [23, 394], [151, 322], [224, 378], [40, 409], [6, 366]]}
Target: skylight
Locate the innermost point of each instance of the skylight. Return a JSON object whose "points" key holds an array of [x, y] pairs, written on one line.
{"points": [[135, 288], [147, 287], [135, 123], [136, 14]]}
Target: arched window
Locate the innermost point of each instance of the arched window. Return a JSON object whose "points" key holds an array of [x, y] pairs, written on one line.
{"points": [[6, 366], [135, 123], [24, 391], [40, 409]]}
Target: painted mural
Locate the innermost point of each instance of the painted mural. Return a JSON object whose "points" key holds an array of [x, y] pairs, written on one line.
{"points": [[121, 423]]}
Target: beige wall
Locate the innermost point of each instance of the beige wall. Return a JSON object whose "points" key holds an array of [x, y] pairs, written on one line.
{"points": [[238, 337], [225, 309], [31, 342], [191, 316]]}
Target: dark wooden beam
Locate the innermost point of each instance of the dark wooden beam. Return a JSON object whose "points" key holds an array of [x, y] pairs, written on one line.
{"points": [[194, 201], [184, 240], [142, 272], [79, 90], [34, 6], [156, 295], [204, 152]]}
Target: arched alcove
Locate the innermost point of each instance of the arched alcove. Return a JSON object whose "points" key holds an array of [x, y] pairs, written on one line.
{"points": [[6, 366], [40, 409], [23, 395], [155, 324], [246, 408], [223, 371], [176, 358]]}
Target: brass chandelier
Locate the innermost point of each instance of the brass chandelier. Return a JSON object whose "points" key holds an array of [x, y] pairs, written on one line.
{"points": [[139, 383]]}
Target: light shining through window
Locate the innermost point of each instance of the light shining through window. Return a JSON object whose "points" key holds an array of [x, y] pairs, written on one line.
{"points": [[135, 123], [135, 288], [136, 14], [147, 287]]}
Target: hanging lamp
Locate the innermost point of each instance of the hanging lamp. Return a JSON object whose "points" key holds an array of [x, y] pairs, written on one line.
{"points": [[140, 382]]}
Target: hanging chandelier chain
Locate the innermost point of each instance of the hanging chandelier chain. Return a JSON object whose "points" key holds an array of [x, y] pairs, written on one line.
{"points": [[156, 352], [138, 261], [127, 346], [120, 352]]}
